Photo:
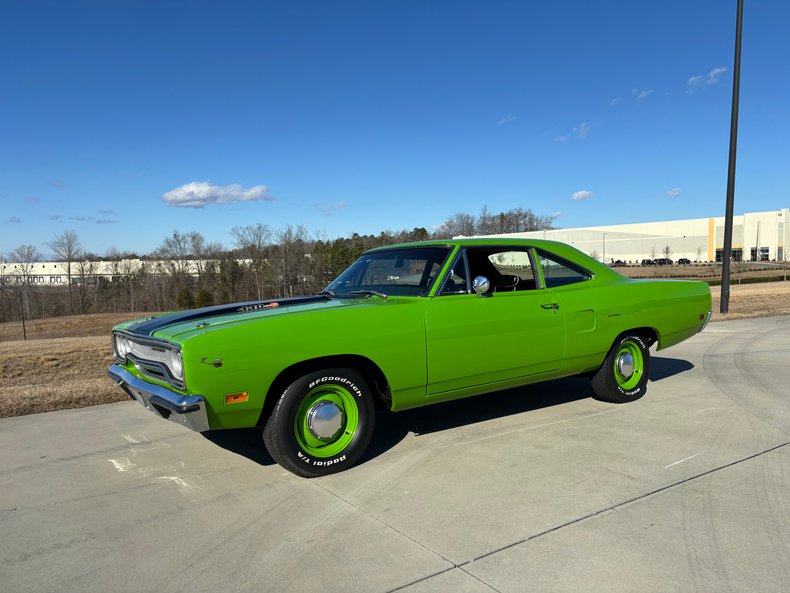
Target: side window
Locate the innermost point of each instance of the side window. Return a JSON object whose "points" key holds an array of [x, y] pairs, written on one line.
{"points": [[457, 280], [558, 272], [507, 270], [514, 271]]}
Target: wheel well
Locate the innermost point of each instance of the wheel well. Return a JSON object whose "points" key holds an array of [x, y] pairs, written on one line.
{"points": [[647, 332], [372, 373]]}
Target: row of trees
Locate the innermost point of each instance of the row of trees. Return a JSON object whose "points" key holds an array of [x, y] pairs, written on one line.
{"points": [[186, 271]]}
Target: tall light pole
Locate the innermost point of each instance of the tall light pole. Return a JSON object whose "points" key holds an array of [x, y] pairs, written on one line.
{"points": [[603, 238], [736, 87]]}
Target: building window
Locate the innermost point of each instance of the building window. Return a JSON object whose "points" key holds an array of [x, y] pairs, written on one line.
{"points": [[737, 255]]}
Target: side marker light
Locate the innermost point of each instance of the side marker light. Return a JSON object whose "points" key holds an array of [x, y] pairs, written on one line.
{"points": [[237, 398]]}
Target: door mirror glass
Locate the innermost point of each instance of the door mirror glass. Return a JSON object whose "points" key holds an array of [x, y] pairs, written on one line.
{"points": [[481, 285]]}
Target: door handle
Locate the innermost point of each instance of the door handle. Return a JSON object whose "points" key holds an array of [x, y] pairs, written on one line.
{"points": [[550, 305]]}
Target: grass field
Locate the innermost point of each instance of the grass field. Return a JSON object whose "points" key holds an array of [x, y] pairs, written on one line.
{"points": [[63, 364]]}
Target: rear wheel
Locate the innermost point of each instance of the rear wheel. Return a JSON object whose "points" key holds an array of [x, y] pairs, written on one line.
{"points": [[322, 423], [623, 375]]}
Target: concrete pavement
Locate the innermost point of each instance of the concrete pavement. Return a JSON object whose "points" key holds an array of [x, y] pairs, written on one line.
{"points": [[541, 488]]}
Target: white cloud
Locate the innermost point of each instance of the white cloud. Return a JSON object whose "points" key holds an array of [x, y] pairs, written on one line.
{"points": [[328, 208], [557, 214], [713, 75], [616, 101], [674, 192], [703, 80], [582, 130], [641, 94], [509, 118], [582, 194], [199, 194], [561, 139]]}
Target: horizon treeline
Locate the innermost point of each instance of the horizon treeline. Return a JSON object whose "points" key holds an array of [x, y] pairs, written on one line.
{"points": [[185, 271]]}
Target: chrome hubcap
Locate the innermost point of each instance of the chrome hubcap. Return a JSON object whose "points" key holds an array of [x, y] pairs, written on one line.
{"points": [[625, 365], [324, 420]]}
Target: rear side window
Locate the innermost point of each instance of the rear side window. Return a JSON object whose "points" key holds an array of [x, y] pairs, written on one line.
{"points": [[560, 272]]}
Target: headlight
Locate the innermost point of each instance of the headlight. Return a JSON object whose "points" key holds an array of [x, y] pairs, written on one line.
{"points": [[177, 364], [121, 345]]}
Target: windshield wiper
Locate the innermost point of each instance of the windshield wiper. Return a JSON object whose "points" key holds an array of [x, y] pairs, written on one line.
{"points": [[366, 292], [328, 293]]}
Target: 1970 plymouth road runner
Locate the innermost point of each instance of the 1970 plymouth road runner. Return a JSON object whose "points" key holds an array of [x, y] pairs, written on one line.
{"points": [[403, 326]]}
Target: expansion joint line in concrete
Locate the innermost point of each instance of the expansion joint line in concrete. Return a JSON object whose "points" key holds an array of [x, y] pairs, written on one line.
{"points": [[579, 519]]}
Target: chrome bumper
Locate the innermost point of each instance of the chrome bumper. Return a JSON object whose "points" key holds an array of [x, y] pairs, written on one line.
{"points": [[187, 410], [707, 320]]}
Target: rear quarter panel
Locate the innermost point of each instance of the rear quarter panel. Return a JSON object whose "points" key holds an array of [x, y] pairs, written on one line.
{"points": [[599, 312]]}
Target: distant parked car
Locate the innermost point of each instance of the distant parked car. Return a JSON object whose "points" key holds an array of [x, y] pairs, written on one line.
{"points": [[684, 261], [663, 261], [618, 263], [648, 262]]}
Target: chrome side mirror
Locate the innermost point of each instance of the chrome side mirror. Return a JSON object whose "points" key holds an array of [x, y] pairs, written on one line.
{"points": [[481, 285]]}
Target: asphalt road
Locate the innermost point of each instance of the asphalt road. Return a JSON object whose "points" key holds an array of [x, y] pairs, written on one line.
{"points": [[541, 489]]}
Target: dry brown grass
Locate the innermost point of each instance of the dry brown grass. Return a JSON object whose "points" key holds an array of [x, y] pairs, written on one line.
{"points": [[45, 375], [65, 364], [766, 299], [65, 327]]}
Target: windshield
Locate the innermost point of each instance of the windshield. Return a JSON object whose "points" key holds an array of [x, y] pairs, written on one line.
{"points": [[403, 272]]}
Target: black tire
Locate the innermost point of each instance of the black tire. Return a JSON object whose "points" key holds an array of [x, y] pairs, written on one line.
{"points": [[610, 384], [293, 432]]}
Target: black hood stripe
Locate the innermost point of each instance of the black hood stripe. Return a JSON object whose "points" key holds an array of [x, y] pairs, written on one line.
{"points": [[149, 326]]}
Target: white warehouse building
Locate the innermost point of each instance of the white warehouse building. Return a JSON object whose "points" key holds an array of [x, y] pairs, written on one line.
{"points": [[756, 236]]}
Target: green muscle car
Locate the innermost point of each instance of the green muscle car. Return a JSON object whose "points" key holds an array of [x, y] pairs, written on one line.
{"points": [[403, 326]]}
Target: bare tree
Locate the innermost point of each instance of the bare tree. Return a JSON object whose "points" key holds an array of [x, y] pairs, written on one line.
{"points": [[515, 220], [699, 252], [290, 258], [175, 250], [252, 242], [653, 252], [667, 251], [485, 222], [25, 257], [459, 223], [86, 276], [67, 248]]}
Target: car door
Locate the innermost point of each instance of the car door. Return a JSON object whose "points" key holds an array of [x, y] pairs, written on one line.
{"points": [[516, 330]]}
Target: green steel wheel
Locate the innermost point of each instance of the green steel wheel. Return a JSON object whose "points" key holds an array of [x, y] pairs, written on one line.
{"points": [[624, 373], [322, 423]]}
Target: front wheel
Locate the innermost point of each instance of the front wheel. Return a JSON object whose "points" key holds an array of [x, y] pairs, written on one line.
{"points": [[322, 423], [623, 375]]}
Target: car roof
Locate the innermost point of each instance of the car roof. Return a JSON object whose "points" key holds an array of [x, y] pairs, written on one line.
{"points": [[563, 250], [469, 241]]}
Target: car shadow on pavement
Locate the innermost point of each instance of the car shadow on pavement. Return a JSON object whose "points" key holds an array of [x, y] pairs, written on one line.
{"points": [[661, 368], [247, 442], [391, 428]]}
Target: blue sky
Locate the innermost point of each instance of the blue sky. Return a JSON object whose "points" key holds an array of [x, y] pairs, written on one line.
{"points": [[126, 120]]}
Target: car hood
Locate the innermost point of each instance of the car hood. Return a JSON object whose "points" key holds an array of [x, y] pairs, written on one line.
{"points": [[178, 326]]}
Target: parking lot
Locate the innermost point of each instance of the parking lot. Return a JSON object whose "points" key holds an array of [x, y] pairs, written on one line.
{"points": [[540, 488]]}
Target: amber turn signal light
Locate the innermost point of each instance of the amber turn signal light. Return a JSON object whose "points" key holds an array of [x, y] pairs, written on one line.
{"points": [[236, 398]]}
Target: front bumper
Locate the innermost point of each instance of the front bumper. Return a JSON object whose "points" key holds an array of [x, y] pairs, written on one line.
{"points": [[187, 410]]}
